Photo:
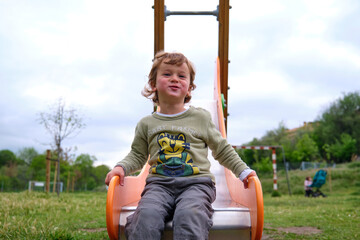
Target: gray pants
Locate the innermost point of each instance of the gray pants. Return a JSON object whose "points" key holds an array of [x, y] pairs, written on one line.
{"points": [[187, 201]]}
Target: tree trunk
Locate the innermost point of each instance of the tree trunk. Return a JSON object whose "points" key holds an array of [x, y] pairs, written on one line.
{"points": [[58, 171], [68, 182]]}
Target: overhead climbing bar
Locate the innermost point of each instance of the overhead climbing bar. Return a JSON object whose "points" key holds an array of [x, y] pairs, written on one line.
{"points": [[209, 13]]}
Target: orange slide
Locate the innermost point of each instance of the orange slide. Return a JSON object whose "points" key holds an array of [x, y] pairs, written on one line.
{"points": [[233, 201]]}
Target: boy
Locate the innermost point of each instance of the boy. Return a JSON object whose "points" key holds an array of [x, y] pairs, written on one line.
{"points": [[180, 185]]}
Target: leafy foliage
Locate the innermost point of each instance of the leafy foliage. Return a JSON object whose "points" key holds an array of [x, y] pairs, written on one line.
{"points": [[306, 149], [7, 157], [334, 136], [343, 150], [16, 175], [264, 165], [27, 154], [342, 117]]}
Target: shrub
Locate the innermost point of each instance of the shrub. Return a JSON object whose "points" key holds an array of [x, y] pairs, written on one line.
{"points": [[276, 194]]}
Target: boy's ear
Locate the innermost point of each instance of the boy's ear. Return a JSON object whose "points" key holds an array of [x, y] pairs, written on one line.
{"points": [[189, 90], [153, 87], [188, 93]]}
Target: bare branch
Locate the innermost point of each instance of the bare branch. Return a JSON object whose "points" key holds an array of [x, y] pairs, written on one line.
{"points": [[61, 122]]}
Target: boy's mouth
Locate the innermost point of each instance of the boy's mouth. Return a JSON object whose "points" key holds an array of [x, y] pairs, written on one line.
{"points": [[174, 87]]}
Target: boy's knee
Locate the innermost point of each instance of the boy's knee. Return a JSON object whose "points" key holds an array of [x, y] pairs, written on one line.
{"points": [[192, 222], [145, 224], [191, 213]]}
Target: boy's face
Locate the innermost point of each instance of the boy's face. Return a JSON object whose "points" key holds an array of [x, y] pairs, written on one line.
{"points": [[172, 83]]}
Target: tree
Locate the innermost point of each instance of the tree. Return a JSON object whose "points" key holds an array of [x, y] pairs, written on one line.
{"points": [[306, 149], [100, 174], [38, 167], [343, 116], [84, 167], [343, 150], [61, 122], [27, 154], [274, 137], [7, 157]]}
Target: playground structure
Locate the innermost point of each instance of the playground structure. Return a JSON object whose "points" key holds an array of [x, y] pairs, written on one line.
{"points": [[273, 156], [222, 15], [239, 212]]}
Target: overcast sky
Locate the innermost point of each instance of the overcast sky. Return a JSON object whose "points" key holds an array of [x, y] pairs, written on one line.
{"points": [[289, 61]]}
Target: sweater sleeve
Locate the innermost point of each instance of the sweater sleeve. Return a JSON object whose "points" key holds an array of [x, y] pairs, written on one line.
{"points": [[222, 151], [138, 154]]}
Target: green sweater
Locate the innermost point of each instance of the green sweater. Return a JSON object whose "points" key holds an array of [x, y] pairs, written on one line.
{"points": [[178, 146]]}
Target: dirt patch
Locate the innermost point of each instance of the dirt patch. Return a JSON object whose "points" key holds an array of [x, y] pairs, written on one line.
{"points": [[93, 229], [265, 237], [296, 230]]}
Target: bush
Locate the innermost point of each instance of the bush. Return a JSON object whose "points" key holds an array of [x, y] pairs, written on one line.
{"points": [[264, 165], [276, 194], [343, 150], [354, 165]]}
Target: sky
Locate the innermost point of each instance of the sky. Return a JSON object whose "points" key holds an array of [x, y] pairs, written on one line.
{"points": [[289, 61]]}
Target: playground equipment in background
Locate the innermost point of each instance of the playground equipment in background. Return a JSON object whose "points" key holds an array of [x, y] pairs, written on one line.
{"points": [[239, 212], [273, 155]]}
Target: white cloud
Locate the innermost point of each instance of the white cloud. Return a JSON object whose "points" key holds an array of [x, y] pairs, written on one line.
{"points": [[260, 83], [247, 11], [289, 59]]}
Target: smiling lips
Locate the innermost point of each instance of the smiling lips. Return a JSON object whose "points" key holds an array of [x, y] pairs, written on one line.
{"points": [[172, 87]]}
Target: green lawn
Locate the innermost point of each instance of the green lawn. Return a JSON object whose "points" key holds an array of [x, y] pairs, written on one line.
{"points": [[45, 216], [82, 215], [297, 217]]}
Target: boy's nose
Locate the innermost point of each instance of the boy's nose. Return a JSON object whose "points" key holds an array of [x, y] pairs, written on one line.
{"points": [[174, 78]]}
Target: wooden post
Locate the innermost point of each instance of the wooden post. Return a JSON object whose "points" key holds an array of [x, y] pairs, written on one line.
{"points": [[68, 182], [159, 22], [223, 51], [55, 174], [159, 26], [73, 184], [48, 170]]}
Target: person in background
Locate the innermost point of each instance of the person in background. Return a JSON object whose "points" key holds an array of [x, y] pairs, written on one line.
{"points": [[308, 189]]}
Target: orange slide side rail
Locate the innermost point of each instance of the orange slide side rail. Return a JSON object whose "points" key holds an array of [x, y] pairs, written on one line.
{"points": [[119, 196], [251, 197]]}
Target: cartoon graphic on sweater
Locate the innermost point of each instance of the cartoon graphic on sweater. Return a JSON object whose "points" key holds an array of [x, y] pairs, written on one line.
{"points": [[173, 160]]}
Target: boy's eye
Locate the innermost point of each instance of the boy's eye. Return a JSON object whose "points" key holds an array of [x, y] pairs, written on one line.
{"points": [[167, 74]]}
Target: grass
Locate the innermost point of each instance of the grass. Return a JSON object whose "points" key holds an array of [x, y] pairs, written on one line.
{"points": [[38, 215], [334, 217], [344, 179], [45, 216]]}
